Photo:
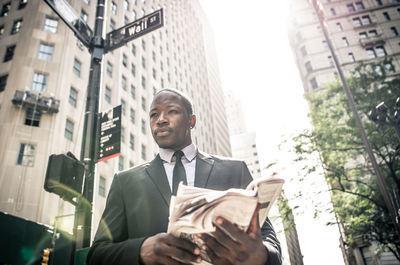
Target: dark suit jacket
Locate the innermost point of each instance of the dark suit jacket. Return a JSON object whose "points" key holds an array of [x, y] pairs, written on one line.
{"points": [[138, 207]]}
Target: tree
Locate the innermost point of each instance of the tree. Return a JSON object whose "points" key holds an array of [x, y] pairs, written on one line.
{"points": [[356, 197]]}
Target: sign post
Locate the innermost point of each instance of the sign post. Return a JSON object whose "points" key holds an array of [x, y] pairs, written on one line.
{"points": [[93, 40]]}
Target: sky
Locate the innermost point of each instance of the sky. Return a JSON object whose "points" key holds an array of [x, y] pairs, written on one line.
{"points": [[257, 64]]}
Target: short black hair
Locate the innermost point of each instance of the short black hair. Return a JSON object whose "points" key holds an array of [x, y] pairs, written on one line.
{"points": [[187, 102]]}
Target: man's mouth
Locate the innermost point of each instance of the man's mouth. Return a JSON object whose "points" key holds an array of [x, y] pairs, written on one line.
{"points": [[162, 132]]}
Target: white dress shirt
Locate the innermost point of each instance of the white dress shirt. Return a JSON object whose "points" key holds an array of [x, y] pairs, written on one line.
{"points": [[188, 161]]}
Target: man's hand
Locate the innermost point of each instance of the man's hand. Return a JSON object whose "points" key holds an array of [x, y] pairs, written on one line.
{"points": [[167, 249], [239, 247]]}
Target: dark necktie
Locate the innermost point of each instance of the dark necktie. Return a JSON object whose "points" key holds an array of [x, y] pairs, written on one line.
{"points": [[179, 173]]}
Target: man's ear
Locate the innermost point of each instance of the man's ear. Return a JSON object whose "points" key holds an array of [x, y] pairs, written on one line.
{"points": [[192, 121]]}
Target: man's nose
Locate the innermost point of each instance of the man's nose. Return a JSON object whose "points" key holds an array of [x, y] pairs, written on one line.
{"points": [[162, 118]]}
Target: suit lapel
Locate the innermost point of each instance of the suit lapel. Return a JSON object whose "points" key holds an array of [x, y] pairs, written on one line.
{"points": [[157, 173], [204, 164]]}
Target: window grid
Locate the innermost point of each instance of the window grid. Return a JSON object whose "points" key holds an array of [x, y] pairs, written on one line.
{"points": [[26, 155], [69, 130], [45, 51], [73, 96], [39, 82]]}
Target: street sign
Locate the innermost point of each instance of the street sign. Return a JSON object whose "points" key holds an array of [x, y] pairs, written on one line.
{"points": [[72, 19], [133, 30], [110, 134]]}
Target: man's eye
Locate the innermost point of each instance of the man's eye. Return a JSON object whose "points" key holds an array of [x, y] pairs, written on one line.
{"points": [[153, 115], [173, 111]]}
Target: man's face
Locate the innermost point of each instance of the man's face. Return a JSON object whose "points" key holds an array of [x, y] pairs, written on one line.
{"points": [[169, 121]]}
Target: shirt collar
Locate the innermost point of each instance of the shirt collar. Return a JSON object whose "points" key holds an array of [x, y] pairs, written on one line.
{"points": [[189, 151]]}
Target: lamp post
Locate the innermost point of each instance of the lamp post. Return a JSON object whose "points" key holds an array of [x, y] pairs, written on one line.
{"points": [[381, 116]]}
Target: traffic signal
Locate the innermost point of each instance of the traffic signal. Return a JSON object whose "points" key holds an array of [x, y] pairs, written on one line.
{"points": [[64, 176], [45, 256]]}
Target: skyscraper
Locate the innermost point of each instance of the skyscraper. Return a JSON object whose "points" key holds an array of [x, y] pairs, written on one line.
{"points": [[361, 31], [43, 79]]}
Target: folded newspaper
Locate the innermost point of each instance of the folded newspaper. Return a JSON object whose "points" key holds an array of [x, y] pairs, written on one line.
{"points": [[193, 210]]}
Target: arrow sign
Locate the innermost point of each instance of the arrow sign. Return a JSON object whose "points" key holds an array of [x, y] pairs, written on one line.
{"points": [[72, 19], [133, 30]]}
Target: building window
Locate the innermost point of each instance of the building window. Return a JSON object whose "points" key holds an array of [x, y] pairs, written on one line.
{"points": [[133, 50], [314, 84], [109, 69], [133, 69], [366, 256], [5, 9], [112, 25], [394, 31], [77, 68], [351, 57], [303, 51], [132, 116], [26, 155], [372, 33], [366, 20], [356, 22], [1, 30], [122, 134], [121, 163], [133, 91], [144, 63], [351, 8], [330, 60], [113, 8], [379, 2], [123, 83], [131, 164], [3, 82], [107, 95], [345, 41], [371, 53], [132, 142], [143, 82], [123, 107], [86, 2], [102, 186], [143, 103], [339, 26], [363, 35], [143, 152], [380, 51], [16, 27], [126, 5], [162, 82], [73, 97], [386, 16], [133, 14], [154, 73], [84, 15], [124, 60], [22, 4], [32, 117], [333, 12], [9, 53], [153, 55], [50, 25], [39, 82], [389, 68], [45, 51], [143, 45], [69, 130], [360, 5], [325, 45], [308, 67], [143, 126]]}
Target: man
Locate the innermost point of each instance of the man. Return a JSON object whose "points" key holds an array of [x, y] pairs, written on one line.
{"points": [[135, 219]]}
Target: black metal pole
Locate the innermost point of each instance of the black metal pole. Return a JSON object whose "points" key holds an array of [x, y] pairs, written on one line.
{"points": [[381, 181], [83, 214]]}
